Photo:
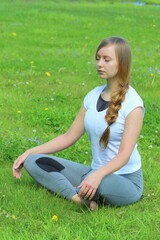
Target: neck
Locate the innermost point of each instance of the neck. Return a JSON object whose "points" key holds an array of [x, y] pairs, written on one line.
{"points": [[112, 85]]}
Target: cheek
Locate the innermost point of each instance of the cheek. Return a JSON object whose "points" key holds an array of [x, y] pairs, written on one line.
{"points": [[116, 68], [113, 68]]}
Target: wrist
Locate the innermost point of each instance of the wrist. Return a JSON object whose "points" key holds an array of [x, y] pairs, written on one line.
{"points": [[101, 173], [29, 152]]}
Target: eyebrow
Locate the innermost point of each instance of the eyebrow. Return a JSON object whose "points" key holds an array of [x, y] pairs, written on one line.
{"points": [[103, 56]]}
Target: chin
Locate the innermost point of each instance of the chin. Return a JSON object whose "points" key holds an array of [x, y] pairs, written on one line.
{"points": [[103, 77]]}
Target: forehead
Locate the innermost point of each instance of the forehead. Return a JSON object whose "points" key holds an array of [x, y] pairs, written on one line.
{"points": [[107, 51]]}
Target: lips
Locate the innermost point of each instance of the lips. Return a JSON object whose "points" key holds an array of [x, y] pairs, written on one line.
{"points": [[101, 72]]}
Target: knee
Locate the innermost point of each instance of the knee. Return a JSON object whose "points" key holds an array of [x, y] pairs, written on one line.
{"points": [[29, 163], [118, 191]]}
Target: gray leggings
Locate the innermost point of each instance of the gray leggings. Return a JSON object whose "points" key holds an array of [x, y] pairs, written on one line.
{"points": [[61, 176]]}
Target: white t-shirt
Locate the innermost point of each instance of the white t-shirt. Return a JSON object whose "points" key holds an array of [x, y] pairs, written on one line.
{"points": [[95, 125]]}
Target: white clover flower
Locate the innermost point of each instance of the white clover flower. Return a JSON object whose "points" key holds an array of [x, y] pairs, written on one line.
{"points": [[150, 146]]}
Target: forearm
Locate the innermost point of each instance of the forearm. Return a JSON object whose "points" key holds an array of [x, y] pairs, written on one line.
{"points": [[55, 145], [90, 184], [115, 164]]}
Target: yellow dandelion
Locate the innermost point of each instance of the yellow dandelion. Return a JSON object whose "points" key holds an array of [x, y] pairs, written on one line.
{"points": [[48, 74], [55, 218], [151, 74], [46, 109], [14, 34], [19, 111]]}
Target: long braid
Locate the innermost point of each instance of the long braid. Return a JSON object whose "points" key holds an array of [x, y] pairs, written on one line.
{"points": [[123, 53], [112, 113]]}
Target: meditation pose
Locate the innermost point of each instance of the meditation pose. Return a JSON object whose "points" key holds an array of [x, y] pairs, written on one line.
{"points": [[112, 116]]}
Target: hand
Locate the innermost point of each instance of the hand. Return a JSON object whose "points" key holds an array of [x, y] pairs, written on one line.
{"points": [[18, 164], [89, 185]]}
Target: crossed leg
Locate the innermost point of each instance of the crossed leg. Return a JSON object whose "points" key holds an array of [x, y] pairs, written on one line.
{"points": [[59, 175]]}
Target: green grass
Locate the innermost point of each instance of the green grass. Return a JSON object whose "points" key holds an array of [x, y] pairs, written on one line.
{"points": [[61, 38]]}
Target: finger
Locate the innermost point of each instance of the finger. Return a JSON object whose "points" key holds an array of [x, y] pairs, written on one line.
{"points": [[81, 184], [16, 171], [17, 174], [92, 195], [83, 191], [88, 194], [81, 194], [17, 163]]}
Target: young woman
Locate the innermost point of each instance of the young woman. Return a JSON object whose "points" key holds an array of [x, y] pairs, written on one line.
{"points": [[112, 115]]}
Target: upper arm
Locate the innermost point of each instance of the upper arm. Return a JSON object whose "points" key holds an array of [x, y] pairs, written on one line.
{"points": [[77, 128], [132, 129]]}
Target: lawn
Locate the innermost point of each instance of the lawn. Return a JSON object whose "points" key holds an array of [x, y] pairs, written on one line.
{"points": [[47, 67]]}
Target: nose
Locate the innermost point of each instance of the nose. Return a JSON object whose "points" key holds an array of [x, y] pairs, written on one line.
{"points": [[100, 63]]}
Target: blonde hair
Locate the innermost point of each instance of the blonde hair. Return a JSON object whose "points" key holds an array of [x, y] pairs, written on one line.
{"points": [[123, 54]]}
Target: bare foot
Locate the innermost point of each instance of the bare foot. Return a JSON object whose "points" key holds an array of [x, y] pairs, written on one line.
{"points": [[76, 199], [92, 204]]}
